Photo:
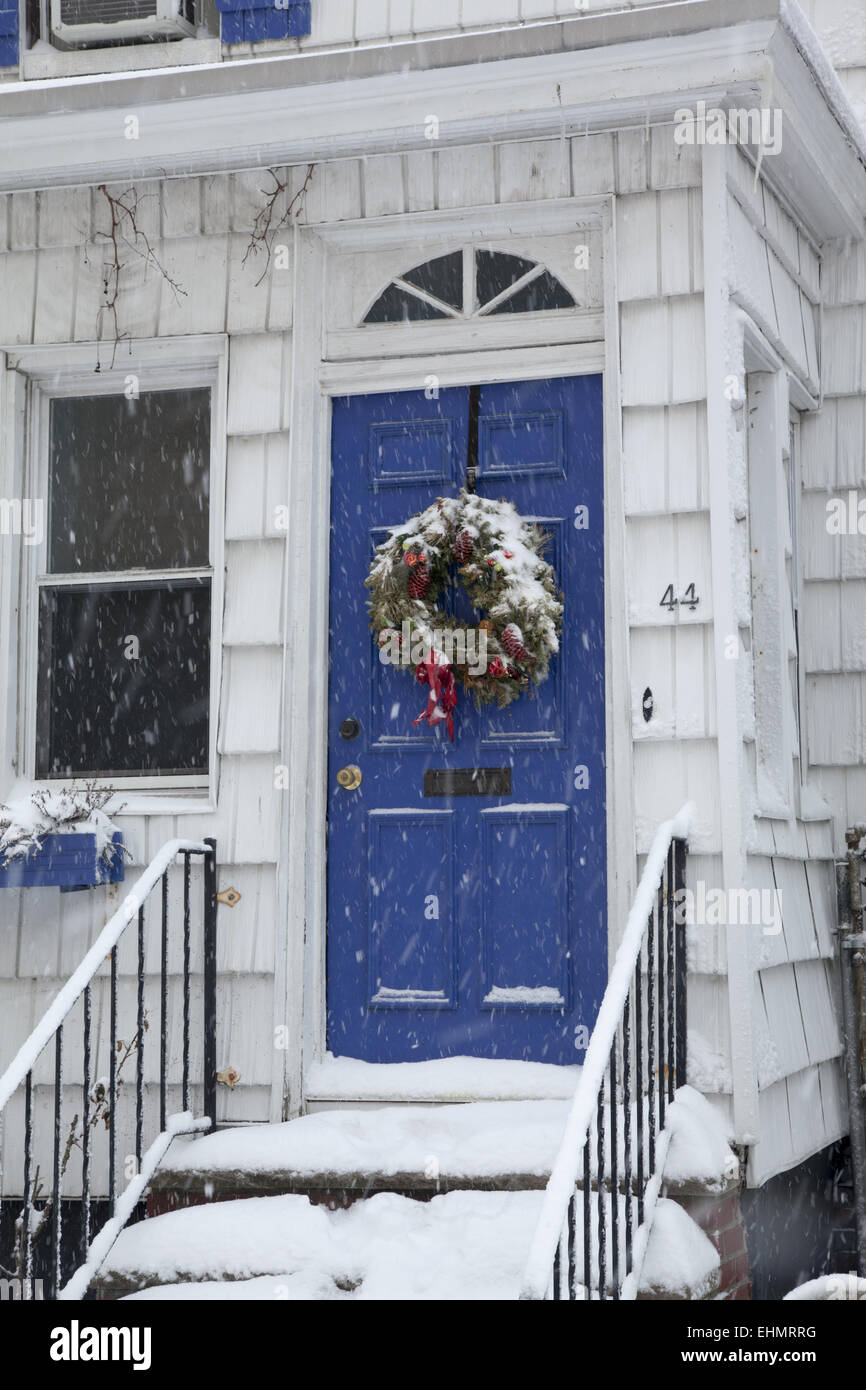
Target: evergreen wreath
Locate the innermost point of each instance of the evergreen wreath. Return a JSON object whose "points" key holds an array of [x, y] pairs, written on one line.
{"points": [[498, 559]]}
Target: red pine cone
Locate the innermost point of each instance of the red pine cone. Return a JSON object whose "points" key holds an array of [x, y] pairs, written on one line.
{"points": [[462, 548], [512, 641], [419, 581]]}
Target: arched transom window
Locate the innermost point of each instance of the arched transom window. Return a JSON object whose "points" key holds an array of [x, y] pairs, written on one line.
{"points": [[469, 284]]}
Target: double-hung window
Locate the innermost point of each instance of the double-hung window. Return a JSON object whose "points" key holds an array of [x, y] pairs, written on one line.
{"points": [[123, 614]]}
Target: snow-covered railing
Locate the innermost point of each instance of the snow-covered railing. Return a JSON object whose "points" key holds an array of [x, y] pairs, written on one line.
{"points": [[592, 1234], [40, 1202]]}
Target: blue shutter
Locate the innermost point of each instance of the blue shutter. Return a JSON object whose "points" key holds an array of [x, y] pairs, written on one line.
{"points": [[247, 21], [8, 33]]}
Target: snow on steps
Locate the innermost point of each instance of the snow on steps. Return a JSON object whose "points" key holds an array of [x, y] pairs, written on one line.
{"points": [[507, 1145], [460, 1244]]}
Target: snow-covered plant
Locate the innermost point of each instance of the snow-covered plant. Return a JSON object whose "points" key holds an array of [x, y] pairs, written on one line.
{"points": [[25, 821]]}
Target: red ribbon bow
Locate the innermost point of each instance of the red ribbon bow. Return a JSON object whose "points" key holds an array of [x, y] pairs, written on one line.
{"points": [[436, 672]]}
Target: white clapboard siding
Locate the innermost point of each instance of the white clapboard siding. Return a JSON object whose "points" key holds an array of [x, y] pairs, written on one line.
{"points": [[466, 176], [665, 550], [821, 626], [849, 414], [592, 165], [834, 708], [64, 216], [258, 383], [778, 987], [197, 266], [17, 292], [772, 1152], [844, 369], [677, 665], [819, 1009], [246, 933], [632, 161], [250, 281], [806, 1112], [818, 444], [822, 553], [253, 611], [530, 169], [384, 192], [55, 305], [659, 244], [665, 458], [821, 877], [750, 267], [789, 839], [662, 351], [706, 943], [22, 222], [668, 774], [709, 1034], [771, 948], [796, 910], [334, 193], [789, 316], [181, 207], [844, 279], [673, 165], [834, 1100], [247, 819], [251, 700]]}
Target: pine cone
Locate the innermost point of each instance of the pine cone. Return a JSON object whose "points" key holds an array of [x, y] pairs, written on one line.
{"points": [[462, 548], [419, 581], [512, 641]]}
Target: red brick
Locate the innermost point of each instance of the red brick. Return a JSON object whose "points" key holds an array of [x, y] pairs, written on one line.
{"points": [[731, 1242], [735, 1269]]}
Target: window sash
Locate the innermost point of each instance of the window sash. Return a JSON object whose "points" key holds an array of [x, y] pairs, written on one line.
{"points": [[195, 362]]}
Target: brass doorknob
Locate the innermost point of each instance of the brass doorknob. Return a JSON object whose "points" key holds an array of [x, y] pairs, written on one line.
{"points": [[349, 777]]}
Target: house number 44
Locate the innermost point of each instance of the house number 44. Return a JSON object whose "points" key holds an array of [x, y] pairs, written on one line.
{"points": [[689, 599]]}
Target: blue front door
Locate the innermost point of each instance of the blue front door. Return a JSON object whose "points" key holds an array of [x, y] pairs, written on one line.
{"points": [[467, 925]]}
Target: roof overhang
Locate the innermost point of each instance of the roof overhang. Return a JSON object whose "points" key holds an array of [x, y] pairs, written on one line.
{"points": [[586, 74]]}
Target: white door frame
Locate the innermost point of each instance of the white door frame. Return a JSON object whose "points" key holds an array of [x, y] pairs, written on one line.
{"points": [[300, 985]]}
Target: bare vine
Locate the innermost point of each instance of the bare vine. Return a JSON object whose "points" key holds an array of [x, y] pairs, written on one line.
{"points": [[124, 232], [100, 1113], [265, 228]]}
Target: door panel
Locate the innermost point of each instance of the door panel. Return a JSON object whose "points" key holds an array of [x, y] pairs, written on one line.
{"points": [[468, 924]]}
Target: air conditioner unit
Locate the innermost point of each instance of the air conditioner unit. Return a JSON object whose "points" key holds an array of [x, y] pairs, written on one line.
{"points": [[77, 23]]}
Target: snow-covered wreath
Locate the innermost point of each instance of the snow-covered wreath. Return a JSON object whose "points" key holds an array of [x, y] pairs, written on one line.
{"points": [[499, 563]]}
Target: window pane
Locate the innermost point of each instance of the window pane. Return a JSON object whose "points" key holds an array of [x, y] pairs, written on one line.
{"points": [[124, 679], [495, 271], [129, 482], [398, 306], [442, 276], [544, 292]]}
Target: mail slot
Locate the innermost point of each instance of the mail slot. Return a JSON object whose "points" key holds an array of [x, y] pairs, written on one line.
{"points": [[467, 781]]}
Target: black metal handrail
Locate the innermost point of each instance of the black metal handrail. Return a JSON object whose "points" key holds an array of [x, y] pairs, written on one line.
{"points": [[100, 1100], [594, 1226]]}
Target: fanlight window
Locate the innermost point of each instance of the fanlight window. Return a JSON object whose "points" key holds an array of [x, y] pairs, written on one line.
{"points": [[467, 284]]}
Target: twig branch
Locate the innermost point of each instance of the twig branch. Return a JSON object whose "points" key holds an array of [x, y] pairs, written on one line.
{"points": [[124, 232], [264, 228]]}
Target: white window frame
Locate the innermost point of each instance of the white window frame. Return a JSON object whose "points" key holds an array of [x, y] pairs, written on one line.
{"points": [[69, 371]]}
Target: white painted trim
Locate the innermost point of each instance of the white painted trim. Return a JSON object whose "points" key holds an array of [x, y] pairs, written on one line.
{"points": [[621, 843], [303, 881], [720, 429], [407, 340], [761, 356], [560, 216], [68, 371], [11, 472]]}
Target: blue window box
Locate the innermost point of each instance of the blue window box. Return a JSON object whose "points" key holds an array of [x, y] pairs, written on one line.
{"points": [[66, 861]]}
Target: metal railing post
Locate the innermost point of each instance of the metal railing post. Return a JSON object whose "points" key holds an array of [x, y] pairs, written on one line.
{"points": [[210, 982]]}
